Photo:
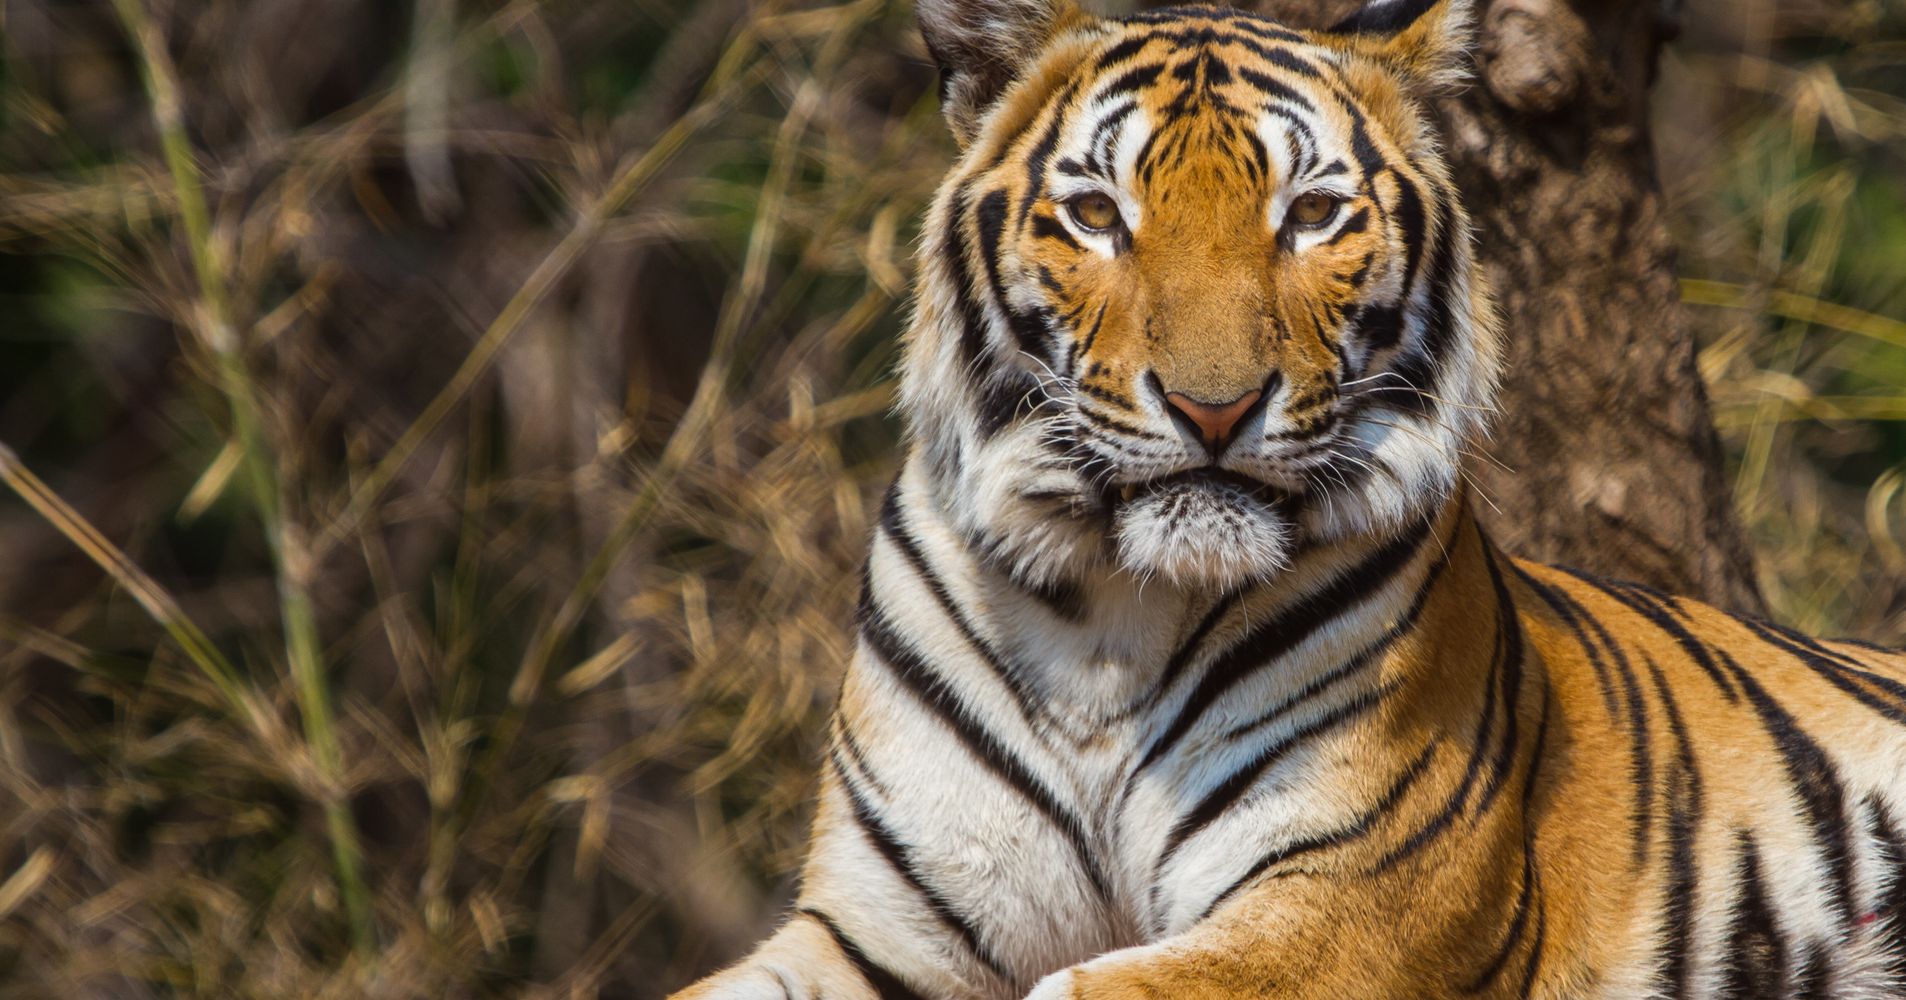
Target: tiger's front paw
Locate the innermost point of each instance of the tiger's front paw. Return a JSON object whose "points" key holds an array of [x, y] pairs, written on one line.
{"points": [[1058, 986], [1094, 981], [1144, 973], [745, 983]]}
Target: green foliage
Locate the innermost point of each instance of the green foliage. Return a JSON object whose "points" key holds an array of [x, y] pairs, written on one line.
{"points": [[1792, 222]]}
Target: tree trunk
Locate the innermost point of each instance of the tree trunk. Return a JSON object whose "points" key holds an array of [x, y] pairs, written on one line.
{"points": [[1607, 455]]}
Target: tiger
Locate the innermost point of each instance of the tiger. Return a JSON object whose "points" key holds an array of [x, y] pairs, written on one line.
{"points": [[1183, 666]]}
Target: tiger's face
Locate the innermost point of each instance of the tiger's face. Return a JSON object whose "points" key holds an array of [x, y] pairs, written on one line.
{"points": [[1199, 293]]}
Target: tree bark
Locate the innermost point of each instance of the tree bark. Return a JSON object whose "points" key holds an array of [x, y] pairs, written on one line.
{"points": [[1604, 454]]}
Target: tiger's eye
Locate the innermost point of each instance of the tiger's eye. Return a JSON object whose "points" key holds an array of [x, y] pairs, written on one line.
{"points": [[1313, 208], [1094, 211]]}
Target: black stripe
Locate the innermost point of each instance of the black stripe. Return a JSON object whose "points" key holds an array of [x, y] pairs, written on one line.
{"points": [[1241, 20], [1102, 135], [1264, 644], [1062, 597], [858, 754], [1039, 158], [1412, 218], [1835, 671], [1289, 60], [1182, 656], [1421, 368], [1380, 326], [1369, 158], [1685, 806], [1188, 38], [972, 320], [1518, 924], [1137, 78], [1253, 23], [1357, 828], [1091, 336], [1755, 964], [936, 693], [1298, 138], [1048, 228], [1121, 52], [1639, 602], [1101, 393], [1002, 399], [1513, 661], [1453, 805], [1566, 609], [1357, 223], [1362, 658], [1117, 426], [1529, 782], [1145, 161], [887, 986], [1529, 971], [990, 221], [900, 857], [1260, 166], [1275, 89], [1890, 907], [1814, 780], [1810, 976], [1640, 743], [1532, 776], [1387, 17], [893, 525], [1226, 793]]}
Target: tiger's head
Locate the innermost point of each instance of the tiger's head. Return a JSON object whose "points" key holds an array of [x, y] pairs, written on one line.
{"points": [[1199, 292]]}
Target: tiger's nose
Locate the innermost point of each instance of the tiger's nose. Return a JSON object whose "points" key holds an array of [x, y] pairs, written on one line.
{"points": [[1215, 424]]}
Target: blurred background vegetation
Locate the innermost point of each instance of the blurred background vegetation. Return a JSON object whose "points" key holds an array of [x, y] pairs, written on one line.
{"points": [[441, 435]]}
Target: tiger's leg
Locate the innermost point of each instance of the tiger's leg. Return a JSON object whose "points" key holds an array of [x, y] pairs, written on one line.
{"points": [[1253, 951], [860, 929], [1320, 937], [810, 956]]}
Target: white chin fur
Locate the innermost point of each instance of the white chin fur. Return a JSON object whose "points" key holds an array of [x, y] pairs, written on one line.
{"points": [[1212, 534]]}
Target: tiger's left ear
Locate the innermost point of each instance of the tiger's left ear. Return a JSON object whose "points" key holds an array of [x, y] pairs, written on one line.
{"points": [[982, 46], [1426, 40]]}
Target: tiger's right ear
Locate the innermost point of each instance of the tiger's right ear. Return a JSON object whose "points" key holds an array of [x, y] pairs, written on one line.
{"points": [[1427, 40], [982, 46]]}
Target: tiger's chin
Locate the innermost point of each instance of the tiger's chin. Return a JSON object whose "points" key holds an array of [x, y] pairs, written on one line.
{"points": [[1204, 529]]}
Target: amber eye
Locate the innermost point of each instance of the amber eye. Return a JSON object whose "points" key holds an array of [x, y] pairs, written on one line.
{"points": [[1094, 211], [1313, 209]]}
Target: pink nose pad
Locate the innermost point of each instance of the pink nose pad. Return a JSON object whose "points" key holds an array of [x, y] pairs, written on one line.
{"points": [[1216, 423]]}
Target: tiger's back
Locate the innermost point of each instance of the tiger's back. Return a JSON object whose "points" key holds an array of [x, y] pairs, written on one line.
{"points": [[1747, 798]]}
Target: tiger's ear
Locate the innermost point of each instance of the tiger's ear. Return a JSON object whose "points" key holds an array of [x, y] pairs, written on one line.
{"points": [[1426, 40], [981, 46]]}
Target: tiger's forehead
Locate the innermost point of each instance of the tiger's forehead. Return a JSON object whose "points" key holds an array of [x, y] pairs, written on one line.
{"points": [[1212, 97]]}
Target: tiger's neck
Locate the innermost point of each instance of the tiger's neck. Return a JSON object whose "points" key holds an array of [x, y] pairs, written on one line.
{"points": [[1128, 695], [1107, 645]]}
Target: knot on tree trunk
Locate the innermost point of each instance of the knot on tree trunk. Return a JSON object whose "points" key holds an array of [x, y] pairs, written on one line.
{"points": [[1533, 55]]}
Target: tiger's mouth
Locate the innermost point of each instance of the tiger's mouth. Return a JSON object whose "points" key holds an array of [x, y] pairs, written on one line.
{"points": [[1209, 480]]}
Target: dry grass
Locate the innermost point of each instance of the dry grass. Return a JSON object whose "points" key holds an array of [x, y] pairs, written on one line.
{"points": [[1782, 144], [447, 434]]}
